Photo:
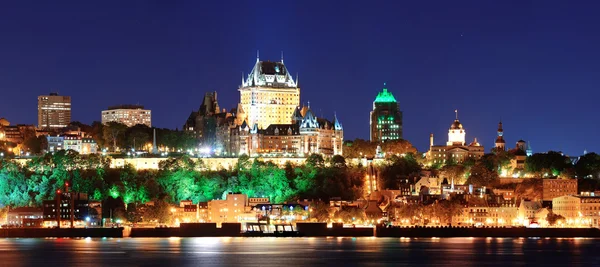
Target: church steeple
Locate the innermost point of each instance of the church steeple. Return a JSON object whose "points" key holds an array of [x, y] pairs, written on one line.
{"points": [[500, 143]]}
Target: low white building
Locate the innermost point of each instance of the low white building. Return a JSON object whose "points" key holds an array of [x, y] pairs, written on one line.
{"points": [[129, 115]]}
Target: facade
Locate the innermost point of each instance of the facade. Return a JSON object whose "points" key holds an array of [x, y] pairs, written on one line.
{"points": [[578, 210], [228, 210], [129, 115], [203, 123], [456, 148], [306, 135], [24, 217], [54, 111], [71, 203], [494, 215], [553, 188], [269, 95], [77, 143], [17, 133], [386, 117], [528, 210]]}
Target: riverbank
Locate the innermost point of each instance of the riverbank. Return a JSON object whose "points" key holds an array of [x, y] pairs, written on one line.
{"points": [[302, 230], [62, 232], [485, 232]]}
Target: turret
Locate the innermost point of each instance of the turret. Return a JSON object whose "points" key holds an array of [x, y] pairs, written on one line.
{"points": [[430, 140]]}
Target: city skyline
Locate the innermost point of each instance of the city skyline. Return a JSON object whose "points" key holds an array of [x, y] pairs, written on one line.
{"points": [[432, 61]]}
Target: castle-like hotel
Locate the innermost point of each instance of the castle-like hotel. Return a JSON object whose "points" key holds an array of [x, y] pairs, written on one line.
{"points": [[267, 121]]}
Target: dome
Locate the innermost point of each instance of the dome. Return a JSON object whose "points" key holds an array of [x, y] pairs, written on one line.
{"points": [[456, 125], [500, 140], [475, 143]]}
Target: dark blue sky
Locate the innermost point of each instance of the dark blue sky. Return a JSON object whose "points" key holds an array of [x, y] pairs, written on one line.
{"points": [[533, 64]]}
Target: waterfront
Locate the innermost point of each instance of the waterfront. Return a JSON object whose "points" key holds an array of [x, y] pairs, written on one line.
{"points": [[339, 251]]}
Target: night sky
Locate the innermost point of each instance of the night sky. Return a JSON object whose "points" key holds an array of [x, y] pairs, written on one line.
{"points": [[532, 64]]}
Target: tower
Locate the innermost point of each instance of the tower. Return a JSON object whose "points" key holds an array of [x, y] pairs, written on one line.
{"points": [[529, 151], [386, 117], [456, 133], [500, 143], [269, 95]]}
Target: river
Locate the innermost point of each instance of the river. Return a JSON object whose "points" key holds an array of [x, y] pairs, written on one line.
{"points": [[347, 251]]}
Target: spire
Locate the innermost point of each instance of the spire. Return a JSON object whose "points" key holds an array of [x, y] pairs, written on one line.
{"points": [[456, 112], [242, 78], [336, 123], [257, 56], [154, 148], [309, 104], [297, 82], [281, 56]]}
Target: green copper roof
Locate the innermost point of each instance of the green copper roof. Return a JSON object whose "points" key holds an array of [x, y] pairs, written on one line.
{"points": [[385, 96]]}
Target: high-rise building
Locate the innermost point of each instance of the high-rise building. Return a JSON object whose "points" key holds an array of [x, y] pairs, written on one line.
{"points": [[386, 117], [269, 95], [129, 115], [54, 111]]}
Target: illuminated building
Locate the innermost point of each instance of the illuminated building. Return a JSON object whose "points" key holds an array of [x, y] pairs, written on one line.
{"points": [[73, 206], [24, 217], [203, 123], [77, 143], [553, 188], [386, 117], [306, 135], [456, 148], [578, 210], [228, 210], [129, 115], [527, 212], [269, 95], [268, 120], [54, 111]]}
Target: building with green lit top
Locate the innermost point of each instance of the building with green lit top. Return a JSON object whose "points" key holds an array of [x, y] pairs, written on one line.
{"points": [[386, 117]]}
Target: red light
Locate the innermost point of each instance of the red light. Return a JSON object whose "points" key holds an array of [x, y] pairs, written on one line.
{"points": [[58, 191]]}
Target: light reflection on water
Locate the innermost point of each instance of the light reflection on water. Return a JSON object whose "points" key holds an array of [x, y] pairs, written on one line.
{"points": [[342, 251]]}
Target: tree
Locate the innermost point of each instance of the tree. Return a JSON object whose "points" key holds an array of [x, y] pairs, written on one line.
{"points": [[553, 218], [482, 176], [159, 212], [338, 161], [454, 172], [112, 132], [588, 165], [446, 209], [320, 211], [544, 164], [315, 160]]}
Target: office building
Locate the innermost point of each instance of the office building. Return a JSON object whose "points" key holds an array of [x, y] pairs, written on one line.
{"points": [[54, 111], [386, 117], [129, 115]]}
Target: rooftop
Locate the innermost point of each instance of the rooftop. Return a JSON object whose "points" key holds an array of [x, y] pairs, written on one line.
{"points": [[126, 106], [385, 96]]}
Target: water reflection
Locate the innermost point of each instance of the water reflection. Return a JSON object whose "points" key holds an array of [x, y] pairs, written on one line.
{"points": [[298, 251]]}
